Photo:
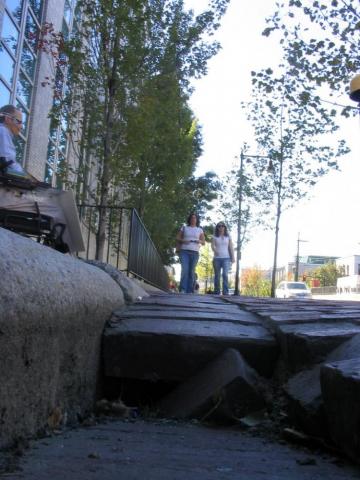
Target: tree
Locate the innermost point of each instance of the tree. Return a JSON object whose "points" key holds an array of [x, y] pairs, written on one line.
{"points": [[321, 44], [129, 66], [238, 200], [254, 284], [328, 274], [296, 136], [205, 269]]}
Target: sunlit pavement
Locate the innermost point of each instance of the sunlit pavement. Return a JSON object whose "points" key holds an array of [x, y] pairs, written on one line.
{"points": [[344, 296]]}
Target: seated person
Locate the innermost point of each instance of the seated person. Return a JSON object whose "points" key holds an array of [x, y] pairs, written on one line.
{"points": [[10, 126]]}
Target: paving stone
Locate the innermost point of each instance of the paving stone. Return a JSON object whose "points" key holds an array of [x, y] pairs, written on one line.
{"points": [[226, 388], [340, 385], [273, 321], [305, 344], [239, 316], [154, 349], [306, 406]]}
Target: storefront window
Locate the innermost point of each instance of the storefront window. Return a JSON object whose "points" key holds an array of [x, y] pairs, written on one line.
{"points": [[28, 61], [18, 39], [24, 90], [15, 8], [36, 5], [10, 34], [4, 93], [31, 31], [7, 66]]}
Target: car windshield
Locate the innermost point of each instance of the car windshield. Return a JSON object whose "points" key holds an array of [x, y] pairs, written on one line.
{"points": [[296, 286]]}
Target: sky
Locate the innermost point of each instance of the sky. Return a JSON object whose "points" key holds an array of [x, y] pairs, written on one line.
{"points": [[328, 220]]}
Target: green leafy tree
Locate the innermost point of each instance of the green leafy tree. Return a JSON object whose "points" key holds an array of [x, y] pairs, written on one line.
{"points": [[254, 283], [129, 65], [238, 201], [321, 45], [293, 123], [295, 135], [205, 268], [328, 274]]}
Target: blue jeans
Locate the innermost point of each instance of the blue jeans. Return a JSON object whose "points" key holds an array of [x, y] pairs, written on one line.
{"points": [[224, 265], [188, 260]]}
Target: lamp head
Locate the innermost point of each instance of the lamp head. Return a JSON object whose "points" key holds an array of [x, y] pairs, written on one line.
{"points": [[355, 88]]}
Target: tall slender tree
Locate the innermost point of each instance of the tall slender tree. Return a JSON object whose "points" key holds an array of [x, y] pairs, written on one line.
{"points": [[297, 137], [129, 66], [320, 43]]}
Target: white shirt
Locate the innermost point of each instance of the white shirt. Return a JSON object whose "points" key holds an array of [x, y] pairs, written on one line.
{"points": [[192, 235], [221, 246], [7, 149]]}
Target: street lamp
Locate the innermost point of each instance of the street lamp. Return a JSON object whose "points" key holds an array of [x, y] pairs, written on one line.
{"points": [[355, 88], [296, 277], [238, 245]]}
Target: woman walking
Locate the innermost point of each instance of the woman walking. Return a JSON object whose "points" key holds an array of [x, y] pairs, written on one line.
{"points": [[223, 249], [189, 238]]}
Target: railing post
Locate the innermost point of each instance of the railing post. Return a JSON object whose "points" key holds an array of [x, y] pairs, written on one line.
{"points": [[130, 241]]}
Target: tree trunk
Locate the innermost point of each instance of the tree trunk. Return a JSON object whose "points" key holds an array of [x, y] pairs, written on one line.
{"points": [[106, 166]]}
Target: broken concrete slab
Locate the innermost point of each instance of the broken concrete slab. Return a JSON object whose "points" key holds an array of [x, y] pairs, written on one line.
{"points": [[226, 389], [305, 405], [154, 349], [305, 344], [304, 393], [340, 385]]}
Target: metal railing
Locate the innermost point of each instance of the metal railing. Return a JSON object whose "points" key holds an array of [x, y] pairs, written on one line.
{"points": [[128, 245]]}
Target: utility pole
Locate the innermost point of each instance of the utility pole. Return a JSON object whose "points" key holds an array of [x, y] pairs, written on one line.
{"points": [[238, 245], [297, 260]]}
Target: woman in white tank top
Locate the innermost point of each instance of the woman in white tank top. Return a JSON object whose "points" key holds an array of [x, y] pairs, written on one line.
{"points": [[190, 237], [223, 249]]}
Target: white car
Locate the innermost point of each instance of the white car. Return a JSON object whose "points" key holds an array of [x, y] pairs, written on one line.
{"points": [[293, 290]]}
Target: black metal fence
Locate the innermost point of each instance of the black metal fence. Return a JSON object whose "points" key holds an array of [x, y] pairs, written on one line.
{"points": [[128, 245]]}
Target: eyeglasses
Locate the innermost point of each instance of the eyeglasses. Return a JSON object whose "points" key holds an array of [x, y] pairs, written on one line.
{"points": [[16, 120], [221, 225]]}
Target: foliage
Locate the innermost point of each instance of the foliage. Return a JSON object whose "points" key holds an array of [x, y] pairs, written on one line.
{"points": [[129, 65], [254, 283], [291, 123], [239, 196], [205, 269], [321, 43], [328, 274]]}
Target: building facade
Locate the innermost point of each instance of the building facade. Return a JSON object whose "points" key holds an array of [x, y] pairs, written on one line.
{"points": [[306, 265], [26, 78], [350, 283]]}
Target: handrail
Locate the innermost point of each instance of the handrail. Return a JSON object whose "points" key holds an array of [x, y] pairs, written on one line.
{"points": [[128, 245], [144, 260]]}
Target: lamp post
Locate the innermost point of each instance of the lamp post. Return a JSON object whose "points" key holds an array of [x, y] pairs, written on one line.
{"points": [[355, 89], [296, 276], [238, 247], [240, 199]]}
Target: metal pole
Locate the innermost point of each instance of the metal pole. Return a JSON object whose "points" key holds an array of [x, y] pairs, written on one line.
{"points": [[297, 260], [296, 277], [238, 246]]}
